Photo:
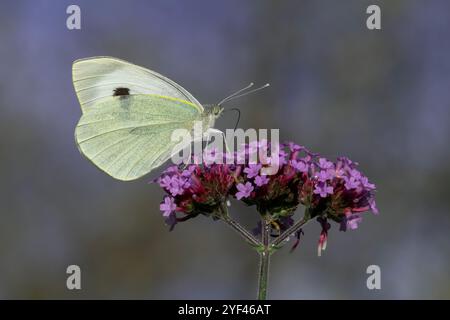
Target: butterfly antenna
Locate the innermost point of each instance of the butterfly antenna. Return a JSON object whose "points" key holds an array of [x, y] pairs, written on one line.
{"points": [[236, 93]]}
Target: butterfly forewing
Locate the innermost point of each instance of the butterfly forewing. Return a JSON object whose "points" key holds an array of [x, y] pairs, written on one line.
{"points": [[103, 77]]}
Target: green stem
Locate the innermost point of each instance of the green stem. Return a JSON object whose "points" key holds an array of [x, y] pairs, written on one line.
{"points": [[293, 229], [264, 247], [238, 228], [264, 260]]}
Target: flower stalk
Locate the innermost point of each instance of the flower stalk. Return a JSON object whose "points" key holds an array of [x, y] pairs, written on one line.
{"points": [[238, 227], [289, 232], [264, 258]]}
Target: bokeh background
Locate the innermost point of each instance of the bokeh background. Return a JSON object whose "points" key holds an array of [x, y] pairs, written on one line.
{"points": [[380, 97]]}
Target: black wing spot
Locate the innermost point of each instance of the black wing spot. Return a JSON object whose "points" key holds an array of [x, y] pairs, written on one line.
{"points": [[121, 92]]}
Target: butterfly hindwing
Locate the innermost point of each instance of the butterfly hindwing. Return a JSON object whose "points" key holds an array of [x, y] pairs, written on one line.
{"points": [[128, 136]]}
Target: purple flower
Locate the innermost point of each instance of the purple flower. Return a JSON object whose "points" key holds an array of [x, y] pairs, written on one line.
{"points": [[323, 190], [324, 164], [300, 165], [346, 163], [282, 158], [351, 183], [373, 205], [336, 191], [294, 147], [351, 221], [261, 180], [168, 206], [324, 175], [339, 172], [244, 190], [164, 182], [355, 174], [366, 184], [272, 160], [252, 170], [177, 185], [188, 172]]}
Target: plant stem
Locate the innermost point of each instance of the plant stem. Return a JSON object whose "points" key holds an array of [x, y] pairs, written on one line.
{"points": [[263, 246], [238, 228], [264, 260], [286, 234]]}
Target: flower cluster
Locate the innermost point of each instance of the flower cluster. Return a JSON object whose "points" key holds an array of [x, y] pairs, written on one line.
{"points": [[328, 190], [196, 189]]}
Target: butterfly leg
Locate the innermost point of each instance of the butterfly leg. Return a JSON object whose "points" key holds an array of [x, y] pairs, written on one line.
{"points": [[213, 132]]}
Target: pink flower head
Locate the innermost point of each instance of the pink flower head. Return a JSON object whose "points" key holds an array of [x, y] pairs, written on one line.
{"points": [[244, 190], [337, 191], [261, 180], [323, 189], [168, 206], [300, 165], [252, 170], [325, 164]]}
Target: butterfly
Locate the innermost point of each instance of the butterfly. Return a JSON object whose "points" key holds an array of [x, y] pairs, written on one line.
{"points": [[129, 114]]}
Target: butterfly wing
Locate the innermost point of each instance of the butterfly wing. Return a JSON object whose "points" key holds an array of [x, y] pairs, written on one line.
{"points": [[97, 78], [128, 136]]}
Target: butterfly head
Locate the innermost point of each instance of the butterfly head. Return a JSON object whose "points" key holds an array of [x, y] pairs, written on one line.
{"points": [[213, 110], [216, 110]]}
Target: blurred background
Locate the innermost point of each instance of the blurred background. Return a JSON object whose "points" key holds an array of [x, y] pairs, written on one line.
{"points": [[378, 97]]}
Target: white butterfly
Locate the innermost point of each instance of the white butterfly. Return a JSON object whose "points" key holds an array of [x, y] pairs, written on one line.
{"points": [[129, 114]]}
